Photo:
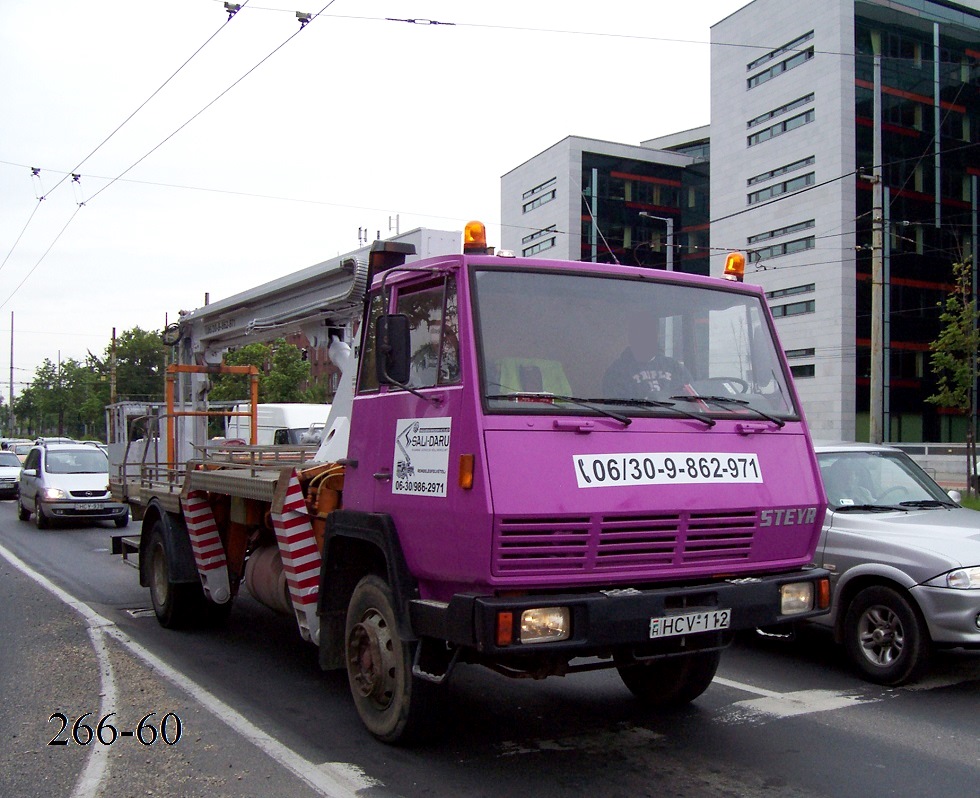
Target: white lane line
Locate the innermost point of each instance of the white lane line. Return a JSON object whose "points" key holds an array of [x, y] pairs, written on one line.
{"points": [[331, 780], [771, 704], [97, 768]]}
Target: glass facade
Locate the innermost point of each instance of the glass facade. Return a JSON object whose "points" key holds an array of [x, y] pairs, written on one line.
{"points": [[625, 207], [930, 130]]}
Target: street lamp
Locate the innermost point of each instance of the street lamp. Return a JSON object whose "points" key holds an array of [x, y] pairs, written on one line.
{"points": [[670, 236]]}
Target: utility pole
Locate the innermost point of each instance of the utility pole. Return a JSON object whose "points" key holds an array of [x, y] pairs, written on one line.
{"points": [[876, 405], [11, 400]]}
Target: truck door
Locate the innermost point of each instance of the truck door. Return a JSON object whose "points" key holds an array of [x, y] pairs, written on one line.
{"points": [[406, 442]]}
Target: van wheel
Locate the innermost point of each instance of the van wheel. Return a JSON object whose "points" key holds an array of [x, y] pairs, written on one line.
{"points": [[673, 681], [22, 512], [123, 522], [176, 604], [886, 637], [40, 519], [394, 705]]}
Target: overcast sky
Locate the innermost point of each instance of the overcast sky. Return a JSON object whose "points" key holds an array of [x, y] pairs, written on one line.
{"points": [[270, 145]]}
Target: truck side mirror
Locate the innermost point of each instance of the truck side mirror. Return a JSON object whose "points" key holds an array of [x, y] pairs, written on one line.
{"points": [[392, 341]]}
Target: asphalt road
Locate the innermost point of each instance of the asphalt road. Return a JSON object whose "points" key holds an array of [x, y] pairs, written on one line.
{"points": [[258, 717]]}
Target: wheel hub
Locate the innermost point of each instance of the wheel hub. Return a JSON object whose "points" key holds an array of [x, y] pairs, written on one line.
{"points": [[370, 658], [882, 637]]}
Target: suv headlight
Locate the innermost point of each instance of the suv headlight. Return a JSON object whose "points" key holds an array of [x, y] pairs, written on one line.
{"points": [[53, 494], [964, 578]]}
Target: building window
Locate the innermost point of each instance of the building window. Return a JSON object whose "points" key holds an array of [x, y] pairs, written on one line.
{"points": [[782, 170], [537, 234], [781, 231], [778, 69], [783, 109], [786, 187], [798, 372], [777, 250], [796, 353], [541, 246], [540, 200], [539, 188], [794, 309], [796, 289], [783, 127], [779, 51]]}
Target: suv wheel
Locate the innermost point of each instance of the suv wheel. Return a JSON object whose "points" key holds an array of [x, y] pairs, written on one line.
{"points": [[22, 512]]}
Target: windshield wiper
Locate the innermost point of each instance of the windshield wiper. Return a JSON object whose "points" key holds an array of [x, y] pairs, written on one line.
{"points": [[728, 400], [544, 396], [870, 508], [927, 503], [656, 403]]}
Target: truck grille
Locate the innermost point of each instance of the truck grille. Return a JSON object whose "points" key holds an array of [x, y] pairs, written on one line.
{"points": [[625, 544]]}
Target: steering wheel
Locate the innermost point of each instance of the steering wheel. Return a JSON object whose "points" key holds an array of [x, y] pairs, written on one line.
{"points": [[742, 385], [900, 490]]}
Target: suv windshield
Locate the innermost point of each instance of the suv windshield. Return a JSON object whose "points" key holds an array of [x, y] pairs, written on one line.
{"points": [[640, 346], [863, 479], [77, 461]]}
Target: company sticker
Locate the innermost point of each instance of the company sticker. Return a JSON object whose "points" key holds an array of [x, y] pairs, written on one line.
{"points": [[421, 465]]}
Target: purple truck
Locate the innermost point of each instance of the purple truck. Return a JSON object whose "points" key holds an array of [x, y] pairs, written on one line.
{"points": [[537, 466]]}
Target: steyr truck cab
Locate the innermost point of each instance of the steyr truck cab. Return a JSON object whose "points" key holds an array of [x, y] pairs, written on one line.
{"points": [[537, 466]]}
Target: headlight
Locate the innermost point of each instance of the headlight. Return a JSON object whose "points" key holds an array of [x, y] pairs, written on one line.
{"points": [[545, 624], [53, 494], [964, 578], [795, 597]]}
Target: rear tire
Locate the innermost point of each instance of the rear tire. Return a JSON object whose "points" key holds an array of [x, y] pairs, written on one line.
{"points": [[673, 681], [176, 604], [886, 637], [394, 705]]}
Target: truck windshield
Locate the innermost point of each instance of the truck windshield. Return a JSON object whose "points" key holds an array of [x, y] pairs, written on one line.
{"points": [[639, 347]]}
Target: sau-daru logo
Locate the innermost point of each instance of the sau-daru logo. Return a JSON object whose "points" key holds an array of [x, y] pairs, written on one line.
{"points": [[403, 467]]}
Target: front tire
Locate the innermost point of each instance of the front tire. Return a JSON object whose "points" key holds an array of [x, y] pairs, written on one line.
{"points": [[394, 705], [886, 637], [673, 681], [122, 523], [22, 512], [40, 519]]}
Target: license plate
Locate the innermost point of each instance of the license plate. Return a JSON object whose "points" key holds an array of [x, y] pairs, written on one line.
{"points": [[94, 506], [692, 623]]}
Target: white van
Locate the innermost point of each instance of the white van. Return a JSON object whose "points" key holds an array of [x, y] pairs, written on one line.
{"points": [[279, 423]]}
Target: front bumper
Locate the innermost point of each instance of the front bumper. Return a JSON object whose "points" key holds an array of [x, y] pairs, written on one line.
{"points": [[951, 615], [607, 620]]}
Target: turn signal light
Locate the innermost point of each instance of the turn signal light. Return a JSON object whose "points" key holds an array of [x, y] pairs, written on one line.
{"points": [[466, 471]]}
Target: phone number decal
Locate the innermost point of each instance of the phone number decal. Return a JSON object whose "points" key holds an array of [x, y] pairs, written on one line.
{"points": [[657, 468]]}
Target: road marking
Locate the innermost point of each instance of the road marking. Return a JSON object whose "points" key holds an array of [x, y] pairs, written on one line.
{"points": [[771, 704], [331, 779], [90, 780]]}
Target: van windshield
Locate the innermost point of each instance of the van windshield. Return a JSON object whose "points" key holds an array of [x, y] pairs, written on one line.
{"points": [[638, 347], [77, 462]]}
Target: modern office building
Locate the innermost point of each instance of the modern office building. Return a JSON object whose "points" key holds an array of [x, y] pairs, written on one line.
{"points": [[584, 199], [802, 123]]}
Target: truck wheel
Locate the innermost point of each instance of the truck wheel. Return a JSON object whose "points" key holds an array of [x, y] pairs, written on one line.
{"points": [[176, 604], [672, 681], [40, 519], [22, 512], [886, 637], [393, 704]]}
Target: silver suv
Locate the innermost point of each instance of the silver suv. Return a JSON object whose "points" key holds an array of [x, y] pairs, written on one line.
{"points": [[68, 481]]}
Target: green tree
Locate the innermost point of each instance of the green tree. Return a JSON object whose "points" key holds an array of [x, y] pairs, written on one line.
{"points": [[954, 358], [287, 374], [141, 359]]}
